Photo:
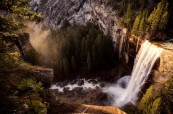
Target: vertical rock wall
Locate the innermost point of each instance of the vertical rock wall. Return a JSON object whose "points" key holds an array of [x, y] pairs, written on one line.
{"points": [[82, 11]]}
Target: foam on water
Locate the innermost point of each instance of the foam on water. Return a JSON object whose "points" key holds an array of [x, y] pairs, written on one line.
{"points": [[86, 85]]}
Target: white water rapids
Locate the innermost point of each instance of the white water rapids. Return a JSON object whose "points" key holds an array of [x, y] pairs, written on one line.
{"points": [[143, 64], [87, 84]]}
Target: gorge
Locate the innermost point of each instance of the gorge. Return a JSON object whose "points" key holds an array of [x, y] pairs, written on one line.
{"points": [[86, 56], [102, 15]]}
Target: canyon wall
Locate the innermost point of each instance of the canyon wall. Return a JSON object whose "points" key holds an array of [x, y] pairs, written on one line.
{"points": [[55, 13], [103, 15], [165, 67]]}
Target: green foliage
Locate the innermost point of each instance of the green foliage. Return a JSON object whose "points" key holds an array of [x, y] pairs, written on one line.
{"points": [[167, 97], [128, 17], [82, 48], [13, 14], [20, 9], [145, 104], [30, 84], [9, 61], [37, 106], [139, 26], [142, 26], [136, 25], [89, 62], [32, 57], [162, 104], [151, 16], [164, 20], [40, 108], [156, 106], [73, 63], [29, 92], [159, 17], [66, 66]]}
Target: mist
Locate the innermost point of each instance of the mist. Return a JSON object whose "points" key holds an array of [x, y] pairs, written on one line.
{"points": [[42, 41]]}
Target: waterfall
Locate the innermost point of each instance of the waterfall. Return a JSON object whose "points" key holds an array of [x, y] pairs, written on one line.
{"points": [[143, 64]]}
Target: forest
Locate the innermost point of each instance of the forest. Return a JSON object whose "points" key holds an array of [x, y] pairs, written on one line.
{"points": [[83, 48], [145, 16]]}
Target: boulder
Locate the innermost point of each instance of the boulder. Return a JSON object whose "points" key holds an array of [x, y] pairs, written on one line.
{"points": [[80, 82]]}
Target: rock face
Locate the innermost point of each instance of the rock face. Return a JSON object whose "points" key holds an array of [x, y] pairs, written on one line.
{"points": [[165, 68], [58, 107], [81, 11], [40, 74], [99, 109], [166, 61]]}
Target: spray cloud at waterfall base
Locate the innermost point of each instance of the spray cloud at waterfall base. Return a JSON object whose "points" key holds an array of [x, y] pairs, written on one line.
{"points": [[127, 88], [42, 41]]}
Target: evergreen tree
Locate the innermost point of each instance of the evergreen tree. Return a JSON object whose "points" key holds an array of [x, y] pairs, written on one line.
{"points": [[94, 56], [61, 67], [142, 26], [136, 25], [124, 4], [73, 63], [128, 17], [164, 21], [12, 17], [66, 66], [83, 50], [89, 62], [159, 17], [77, 48], [156, 17]]}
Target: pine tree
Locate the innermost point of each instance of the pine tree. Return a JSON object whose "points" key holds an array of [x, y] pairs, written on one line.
{"points": [[73, 63], [124, 3], [156, 17], [61, 67], [159, 17], [164, 21], [12, 17], [66, 66], [135, 27], [83, 51], [94, 56], [128, 17], [77, 48], [142, 26], [89, 62]]}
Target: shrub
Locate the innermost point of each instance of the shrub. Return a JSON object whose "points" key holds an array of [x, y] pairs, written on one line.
{"points": [[32, 57], [30, 85], [9, 60], [160, 105], [37, 106], [167, 96], [156, 106], [145, 104]]}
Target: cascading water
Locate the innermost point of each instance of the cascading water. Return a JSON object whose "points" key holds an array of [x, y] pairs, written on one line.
{"points": [[143, 64]]}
